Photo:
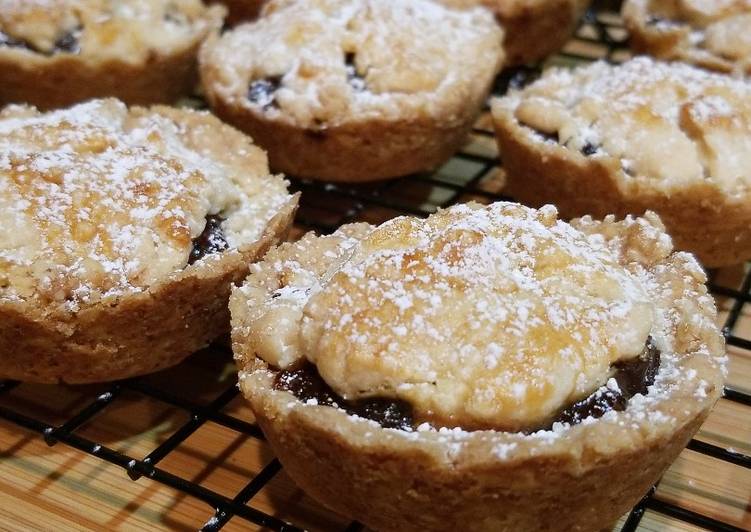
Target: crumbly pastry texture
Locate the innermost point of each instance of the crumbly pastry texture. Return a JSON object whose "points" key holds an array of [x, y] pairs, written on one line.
{"points": [[382, 312], [354, 89], [54, 53], [643, 135], [101, 206], [533, 29], [709, 33]]}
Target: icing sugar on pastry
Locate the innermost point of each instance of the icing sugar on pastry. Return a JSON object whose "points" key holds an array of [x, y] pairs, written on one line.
{"points": [[102, 29], [492, 316], [97, 200], [711, 33], [639, 112], [329, 61]]}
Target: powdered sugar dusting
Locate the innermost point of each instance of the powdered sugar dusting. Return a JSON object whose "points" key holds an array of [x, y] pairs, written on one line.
{"points": [[453, 313], [683, 329], [712, 34], [97, 202], [338, 60], [641, 110], [127, 30]]}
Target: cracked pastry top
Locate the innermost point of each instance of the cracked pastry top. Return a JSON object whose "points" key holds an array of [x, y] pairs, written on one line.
{"points": [[479, 317], [646, 135], [98, 201], [485, 342], [709, 33], [74, 41], [331, 61]]}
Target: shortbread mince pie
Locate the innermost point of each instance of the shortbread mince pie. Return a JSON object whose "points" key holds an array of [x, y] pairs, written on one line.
{"points": [[54, 53], [122, 233], [533, 29], [489, 368], [714, 34], [354, 90], [644, 135]]}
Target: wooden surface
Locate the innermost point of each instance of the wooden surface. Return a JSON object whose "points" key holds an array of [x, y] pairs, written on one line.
{"points": [[60, 488]]}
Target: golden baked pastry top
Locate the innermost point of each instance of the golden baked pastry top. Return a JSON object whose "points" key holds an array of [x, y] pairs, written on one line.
{"points": [[493, 316], [669, 124], [127, 30], [329, 61], [97, 200]]}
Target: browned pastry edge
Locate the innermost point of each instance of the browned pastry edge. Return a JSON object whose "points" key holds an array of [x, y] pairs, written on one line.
{"points": [[534, 30], [407, 490], [64, 79], [354, 152], [240, 10], [700, 218], [133, 334]]}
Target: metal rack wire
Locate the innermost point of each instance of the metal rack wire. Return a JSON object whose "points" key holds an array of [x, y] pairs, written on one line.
{"points": [[475, 173]]}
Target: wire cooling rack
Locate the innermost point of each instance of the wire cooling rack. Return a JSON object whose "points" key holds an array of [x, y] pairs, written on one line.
{"points": [[474, 174]]}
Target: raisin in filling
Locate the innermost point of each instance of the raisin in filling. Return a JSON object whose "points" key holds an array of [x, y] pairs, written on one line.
{"points": [[210, 241], [12, 42], [633, 377], [589, 149], [654, 20], [66, 43], [355, 80], [261, 92]]}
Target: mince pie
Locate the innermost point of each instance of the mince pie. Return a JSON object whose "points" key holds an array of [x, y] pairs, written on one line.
{"points": [[54, 53], [710, 33], [640, 136], [354, 90], [489, 368], [122, 233]]}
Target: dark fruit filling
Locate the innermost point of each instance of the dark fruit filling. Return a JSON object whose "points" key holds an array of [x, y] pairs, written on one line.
{"points": [[355, 80], [262, 92], [653, 20], [306, 384], [11, 42], [66, 43], [547, 136], [633, 376], [211, 240], [589, 149]]}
